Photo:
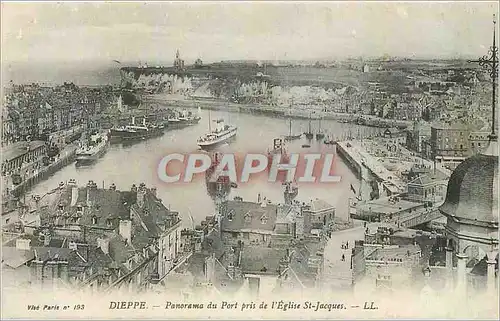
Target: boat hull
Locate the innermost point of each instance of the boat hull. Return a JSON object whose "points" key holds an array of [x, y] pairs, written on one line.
{"points": [[183, 123], [125, 136], [82, 160], [292, 137], [214, 143], [320, 136]]}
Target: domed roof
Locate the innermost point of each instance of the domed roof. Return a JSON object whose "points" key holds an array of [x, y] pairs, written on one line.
{"points": [[473, 188]]}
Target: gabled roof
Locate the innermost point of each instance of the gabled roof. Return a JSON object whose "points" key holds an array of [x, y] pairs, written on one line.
{"points": [[429, 178], [14, 258], [318, 205], [241, 215]]}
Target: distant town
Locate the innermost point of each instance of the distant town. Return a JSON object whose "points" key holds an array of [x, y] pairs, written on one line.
{"points": [[420, 121]]}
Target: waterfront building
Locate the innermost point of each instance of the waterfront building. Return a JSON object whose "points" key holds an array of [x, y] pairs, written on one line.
{"points": [[453, 142], [478, 141], [21, 153], [428, 188], [417, 137], [395, 136]]}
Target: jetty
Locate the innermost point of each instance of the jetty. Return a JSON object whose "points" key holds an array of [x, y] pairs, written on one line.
{"points": [[365, 164]]}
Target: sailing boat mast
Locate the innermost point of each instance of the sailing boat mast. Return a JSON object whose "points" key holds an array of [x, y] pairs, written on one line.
{"points": [[209, 121]]}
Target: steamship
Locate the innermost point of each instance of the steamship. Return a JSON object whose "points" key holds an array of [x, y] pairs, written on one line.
{"points": [[133, 132], [93, 149], [183, 119], [221, 134]]}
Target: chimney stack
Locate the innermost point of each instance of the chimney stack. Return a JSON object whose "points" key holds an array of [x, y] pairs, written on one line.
{"points": [[141, 193], [46, 239], [103, 244], [125, 230], [91, 192], [23, 244]]}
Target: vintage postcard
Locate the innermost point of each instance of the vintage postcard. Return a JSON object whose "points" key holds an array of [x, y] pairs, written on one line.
{"points": [[249, 160]]}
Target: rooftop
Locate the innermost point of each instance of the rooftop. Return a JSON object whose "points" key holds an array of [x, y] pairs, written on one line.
{"points": [[261, 260], [15, 150], [242, 215], [429, 178], [318, 205], [390, 253], [385, 206]]}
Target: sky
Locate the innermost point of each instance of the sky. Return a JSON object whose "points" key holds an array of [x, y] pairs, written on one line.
{"points": [[213, 31]]}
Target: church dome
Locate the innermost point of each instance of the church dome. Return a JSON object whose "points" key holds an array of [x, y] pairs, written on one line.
{"points": [[473, 188]]}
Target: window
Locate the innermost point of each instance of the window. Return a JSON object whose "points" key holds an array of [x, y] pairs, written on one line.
{"points": [[109, 222], [61, 207], [248, 218], [263, 219], [7, 221], [79, 208], [230, 215], [94, 220]]}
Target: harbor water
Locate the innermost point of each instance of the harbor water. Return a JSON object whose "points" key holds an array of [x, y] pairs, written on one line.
{"points": [[138, 163]]}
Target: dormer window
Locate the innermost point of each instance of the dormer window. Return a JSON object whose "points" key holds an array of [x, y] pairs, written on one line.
{"points": [[230, 215], [79, 208], [248, 218], [109, 223], [263, 219], [94, 220], [61, 207]]}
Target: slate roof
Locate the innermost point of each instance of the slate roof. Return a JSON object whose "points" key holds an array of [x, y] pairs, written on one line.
{"points": [[318, 205], [18, 149], [399, 252], [429, 178], [241, 215], [105, 204], [261, 260], [14, 258], [212, 243], [304, 261]]}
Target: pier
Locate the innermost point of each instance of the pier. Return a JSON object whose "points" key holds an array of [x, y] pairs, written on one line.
{"points": [[361, 162]]}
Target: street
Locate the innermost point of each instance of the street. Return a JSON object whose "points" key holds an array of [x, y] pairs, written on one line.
{"points": [[337, 273]]}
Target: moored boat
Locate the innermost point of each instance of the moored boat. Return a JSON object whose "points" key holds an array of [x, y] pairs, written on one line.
{"points": [[182, 119], [93, 149], [221, 134], [135, 132], [309, 134]]}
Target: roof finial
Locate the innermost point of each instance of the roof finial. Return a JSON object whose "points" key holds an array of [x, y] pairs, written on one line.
{"points": [[490, 61]]}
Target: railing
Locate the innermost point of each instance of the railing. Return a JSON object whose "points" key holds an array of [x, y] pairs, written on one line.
{"points": [[419, 217]]}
